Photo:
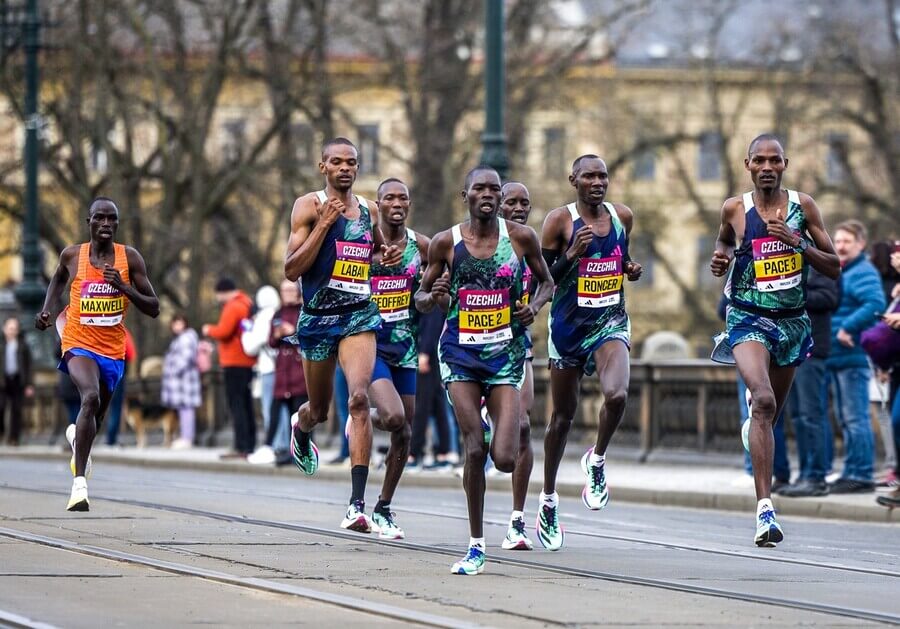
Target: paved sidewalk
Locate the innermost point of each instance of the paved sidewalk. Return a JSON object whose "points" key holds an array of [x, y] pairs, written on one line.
{"points": [[666, 480]]}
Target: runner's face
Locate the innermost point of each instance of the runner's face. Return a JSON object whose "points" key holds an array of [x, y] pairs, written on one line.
{"points": [[591, 180], [103, 221], [393, 203], [483, 195], [766, 164], [847, 246], [339, 164], [515, 204]]}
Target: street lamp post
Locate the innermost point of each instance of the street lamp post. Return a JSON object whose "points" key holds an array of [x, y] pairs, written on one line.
{"points": [[493, 140]]}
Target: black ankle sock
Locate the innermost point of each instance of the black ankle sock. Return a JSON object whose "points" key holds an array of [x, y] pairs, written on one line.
{"points": [[382, 506], [359, 474]]}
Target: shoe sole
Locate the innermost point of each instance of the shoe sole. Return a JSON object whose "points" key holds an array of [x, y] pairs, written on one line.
{"points": [[562, 536], [81, 505], [770, 538], [467, 573], [884, 501], [585, 492], [359, 525], [517, 546], [315, 453]]}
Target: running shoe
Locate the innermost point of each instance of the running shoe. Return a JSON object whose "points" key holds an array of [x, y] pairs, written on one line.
{"points": [[472, 563], [768, 531], [70, 437], [78, 500], [356, 518], [383, 524], [516, 537], [306, 460], [549, 531], [486, 425], [595, 494]]}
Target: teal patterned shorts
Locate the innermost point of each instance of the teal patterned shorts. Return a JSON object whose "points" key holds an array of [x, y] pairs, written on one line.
{"points": [[319, 335], [789, 340]]}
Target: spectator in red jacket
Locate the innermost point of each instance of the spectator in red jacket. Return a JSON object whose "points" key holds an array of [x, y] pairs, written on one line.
{"points": [[236, 365]]}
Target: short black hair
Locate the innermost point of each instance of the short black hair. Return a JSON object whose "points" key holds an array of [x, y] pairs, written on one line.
{"points": [[100, 199], [511, 183], [478, 169], [764, 137], [336, 141], [580, 158], [225, 285], [387, 181]]}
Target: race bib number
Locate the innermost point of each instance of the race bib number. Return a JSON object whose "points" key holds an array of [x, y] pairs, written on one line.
{"points": [[484, 316], [599, 282], [101, 304], [351, 268], [526, 286], [776, 265], [392, 295]]}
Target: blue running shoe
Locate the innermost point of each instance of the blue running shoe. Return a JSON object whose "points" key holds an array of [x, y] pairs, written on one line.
{"points": [[471, 564], [595, 494], [768, 531], [549, 531], [307, 460]]}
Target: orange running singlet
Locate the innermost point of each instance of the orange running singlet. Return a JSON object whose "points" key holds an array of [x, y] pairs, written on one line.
{"points": [[95, 316]]}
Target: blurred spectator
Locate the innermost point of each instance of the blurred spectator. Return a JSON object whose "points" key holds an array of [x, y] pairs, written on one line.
{"points": [[342, 412], [117, 403], [290, 383], [430, 397], [181, 380], [255, 342], [848, 366], [236, 365], [892, 318], [808, 399], [16, 378], [885, 383]]}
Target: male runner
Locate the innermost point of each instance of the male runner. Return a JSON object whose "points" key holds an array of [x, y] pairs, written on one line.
{"points": [[105, 277], [515, 206], [393, 389], [330, 250], [768, 329], [482, 348], [586, 245]]}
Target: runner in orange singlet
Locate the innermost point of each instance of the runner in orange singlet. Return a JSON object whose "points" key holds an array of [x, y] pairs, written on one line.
{"points": [[105, 277]]}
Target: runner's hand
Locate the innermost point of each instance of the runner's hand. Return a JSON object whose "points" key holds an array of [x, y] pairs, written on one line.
{"points": [[42, 320], [524, 313], [719, 263], [580, 242], [777, 228], [440, 291], [113, 277], [633, 271], [330, 210], [391, 255]]}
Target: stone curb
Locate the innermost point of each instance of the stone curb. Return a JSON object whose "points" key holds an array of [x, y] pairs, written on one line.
{"points": [[803, 507]]}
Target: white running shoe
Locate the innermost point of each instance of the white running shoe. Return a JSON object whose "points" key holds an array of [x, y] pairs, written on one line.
{"points": [[471, 564], [384, 525], [768, 531], [516, 537], [70, 437], [356, 518], [78, 500], [264, 455], [595, 494]]}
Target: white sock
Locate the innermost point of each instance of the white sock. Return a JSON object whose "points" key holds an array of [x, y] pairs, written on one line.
{"points": [[597, 459], [765, 503], [477, 542], [516, 515], [80, 482], [550, 500]]}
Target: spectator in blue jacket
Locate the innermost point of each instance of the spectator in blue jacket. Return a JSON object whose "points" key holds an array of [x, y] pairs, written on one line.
{"points": [[862, 301]]}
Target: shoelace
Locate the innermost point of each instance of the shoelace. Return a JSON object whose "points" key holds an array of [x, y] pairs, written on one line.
{"points": [[388, 516], [550, 516], [597, 476], [358, 505], [519, 526], [474, 554], [767, 516]]}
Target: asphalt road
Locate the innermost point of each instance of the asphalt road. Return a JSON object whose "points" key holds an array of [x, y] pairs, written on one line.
{"points": [[178, 548]]}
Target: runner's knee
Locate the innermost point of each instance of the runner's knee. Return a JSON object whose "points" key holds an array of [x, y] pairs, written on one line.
{"points": [[358, 402], [764, 404], [90, 402], [504, 459], [476, 449], [524, 432], [395, 422], [615, 400]]}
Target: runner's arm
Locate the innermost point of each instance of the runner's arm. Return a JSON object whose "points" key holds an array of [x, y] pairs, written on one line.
{"points": [[140, 291], [308, 230], [437, 263], [725, 242], [821, 257], [533, 258], [633, 270], [553, 245], [58, 282]]}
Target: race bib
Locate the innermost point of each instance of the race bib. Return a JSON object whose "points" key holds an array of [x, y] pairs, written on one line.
{"points": [[599, 282], [351, 268], [101, 304], [484, 316], [392, 295], [776, 265], [526, 285]]}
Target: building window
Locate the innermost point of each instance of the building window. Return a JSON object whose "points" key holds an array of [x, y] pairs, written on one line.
{"points": [[836, 158], [709, 166], [302, 137], [554, 152], [644, 166], [641, 252], [233, 141], [368, 148]]}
